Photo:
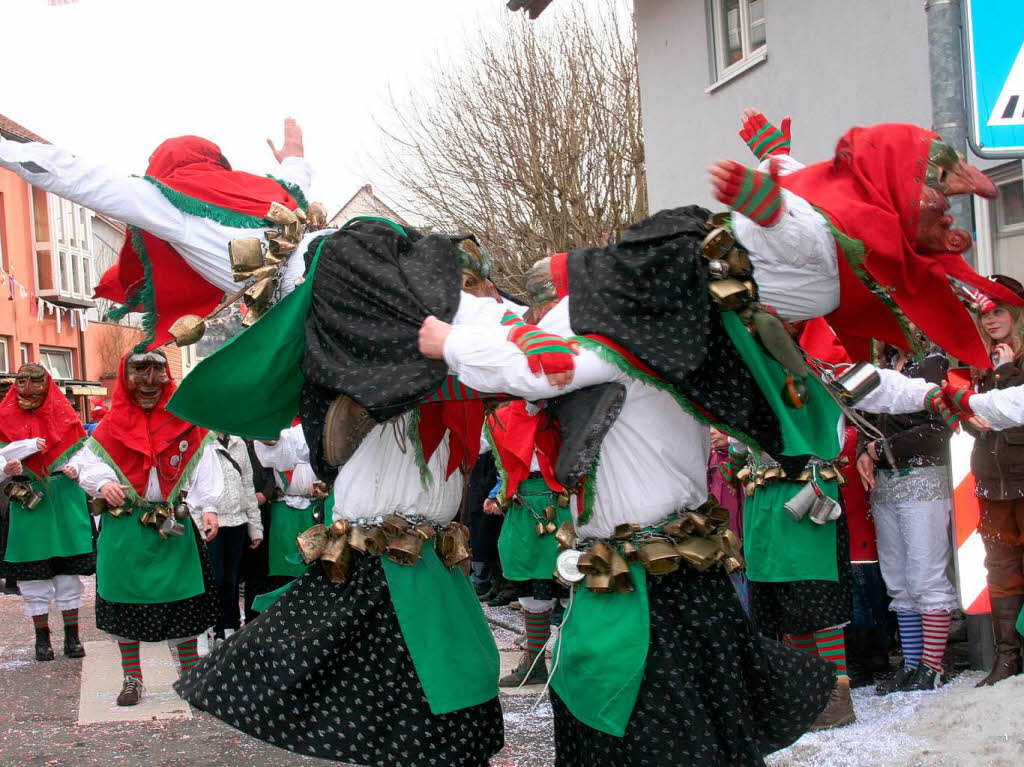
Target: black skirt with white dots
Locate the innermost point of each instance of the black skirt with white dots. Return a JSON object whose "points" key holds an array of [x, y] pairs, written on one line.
{"points": [[714, 693], [325, 672]]}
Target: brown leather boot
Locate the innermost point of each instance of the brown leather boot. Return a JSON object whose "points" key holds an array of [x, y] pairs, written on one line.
{"points": [[1004, 626], [526, 672], [839, 711], [131, 692]]}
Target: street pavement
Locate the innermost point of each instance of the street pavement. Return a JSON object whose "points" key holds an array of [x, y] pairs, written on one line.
{"points": [[62, 713]]}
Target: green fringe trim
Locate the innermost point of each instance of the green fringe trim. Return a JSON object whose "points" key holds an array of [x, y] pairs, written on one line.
{"points": [[142, 296], [854, 252], [589, 491], [196, 207], [612, 357], [413, 434], [293, 190], [136, 500], [502, 473]]}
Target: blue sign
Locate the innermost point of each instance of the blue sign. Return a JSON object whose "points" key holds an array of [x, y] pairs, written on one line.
{"points": [[995, 76]]}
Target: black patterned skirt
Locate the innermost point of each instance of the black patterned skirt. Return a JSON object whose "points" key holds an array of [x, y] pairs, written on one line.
{"points": [[325, 672], [714, 693], [803, 607], [163, 620]]}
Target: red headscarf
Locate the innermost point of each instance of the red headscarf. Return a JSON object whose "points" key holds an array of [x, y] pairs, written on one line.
{"points": [[137, 440], [55, 421], [517, 435], [871, 192], [196, 168]]}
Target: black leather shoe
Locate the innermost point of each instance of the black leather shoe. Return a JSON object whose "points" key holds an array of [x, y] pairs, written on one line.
{"points": [[72, 644], [505, 597], [924, 678], [895, 682], [44, 651]]}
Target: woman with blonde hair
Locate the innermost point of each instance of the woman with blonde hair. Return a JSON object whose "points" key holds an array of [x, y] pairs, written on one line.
{"points": [[998, 465]]}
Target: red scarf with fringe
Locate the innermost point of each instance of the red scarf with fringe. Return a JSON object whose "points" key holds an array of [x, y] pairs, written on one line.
{"points": [[194, 167], [55, 421], [137, 440]]}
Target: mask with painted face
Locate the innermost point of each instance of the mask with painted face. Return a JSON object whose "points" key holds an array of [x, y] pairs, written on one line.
{"points": [[145, 378], [947, 175], [31, 385]]}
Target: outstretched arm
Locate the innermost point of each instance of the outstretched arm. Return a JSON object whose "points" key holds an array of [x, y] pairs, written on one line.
{"points": [[129, 199]]}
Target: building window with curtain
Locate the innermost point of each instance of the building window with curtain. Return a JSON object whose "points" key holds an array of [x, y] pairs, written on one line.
{"points": [[738, 38]]}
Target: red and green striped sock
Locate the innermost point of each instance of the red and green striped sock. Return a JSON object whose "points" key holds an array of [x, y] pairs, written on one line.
{"points": [[188, 655], [41, 621], [538, 630], [831, 646], [70, 617], [802, 642], [130, 658]]}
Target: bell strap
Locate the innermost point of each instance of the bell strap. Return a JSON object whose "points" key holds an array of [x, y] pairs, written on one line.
{"points": [[397, 537]]}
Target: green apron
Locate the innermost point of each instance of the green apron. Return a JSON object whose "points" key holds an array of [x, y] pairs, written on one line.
{"points": [[134, 564], [448, 638], [524, 554], [444, 628], [286, 524], [601, 653], [60, 526], [779, 549], [219, 394]]}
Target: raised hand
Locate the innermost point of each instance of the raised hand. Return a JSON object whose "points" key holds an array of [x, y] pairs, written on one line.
{"points": [[763, 138], [752, 193], [292, 146]]}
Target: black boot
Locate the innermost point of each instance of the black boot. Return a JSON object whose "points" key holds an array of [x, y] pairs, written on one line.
{"points": [[509, 593], [895, 682], [1004, 626], [72, 644], [44, 651], [924, 678]]}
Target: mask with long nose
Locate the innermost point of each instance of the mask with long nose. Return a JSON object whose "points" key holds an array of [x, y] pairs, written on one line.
{"points": [[947, 175], [145, 378]]}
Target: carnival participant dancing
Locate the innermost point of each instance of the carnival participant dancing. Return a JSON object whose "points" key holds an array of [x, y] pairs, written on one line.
{"points": [[160, 483], [50, 535], [379, 654], [175, 264]]}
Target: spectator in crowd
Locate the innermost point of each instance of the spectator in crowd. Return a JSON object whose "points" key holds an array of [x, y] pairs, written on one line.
{"points": [[912, 506], [867, 636], [253, 576], [998, 465], [240, 526]]}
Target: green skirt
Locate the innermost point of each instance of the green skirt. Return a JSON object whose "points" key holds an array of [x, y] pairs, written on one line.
{"points": [[286, 524]]}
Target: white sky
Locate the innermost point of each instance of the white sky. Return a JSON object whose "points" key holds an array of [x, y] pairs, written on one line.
{"points": [[111, 79]]}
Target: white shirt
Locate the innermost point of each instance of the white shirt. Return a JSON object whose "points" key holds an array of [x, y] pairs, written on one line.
{"points": [[204, 488], [290, 453], [203, 243], [653, 460], [1002, 408], [796, 265]]}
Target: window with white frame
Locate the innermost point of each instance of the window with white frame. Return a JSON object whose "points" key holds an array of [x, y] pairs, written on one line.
{"points": [[63, 244], [1006, 221], [5, 356], [737, 34], [58, 362]]}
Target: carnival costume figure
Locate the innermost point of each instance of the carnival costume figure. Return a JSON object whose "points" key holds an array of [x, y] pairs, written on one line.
{"points": [[49, 540], [379, 654], [299, 502], [157, 482], [178, 262]]}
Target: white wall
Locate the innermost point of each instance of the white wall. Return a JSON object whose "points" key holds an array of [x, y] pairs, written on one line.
{"points": [[831, 64]]}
